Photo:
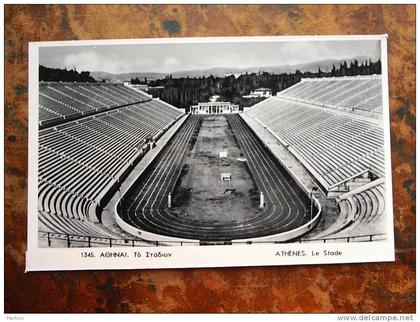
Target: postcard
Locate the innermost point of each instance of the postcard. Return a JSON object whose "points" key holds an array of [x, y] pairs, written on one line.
{"points": [[209, 152]]}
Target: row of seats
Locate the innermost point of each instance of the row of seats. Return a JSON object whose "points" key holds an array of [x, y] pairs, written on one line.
{"points": [[79, 160], [59, 101], [332, 144], [68, 226], [335, 146], [366, 213], [47, 114], [354, 93], [362, 217]]}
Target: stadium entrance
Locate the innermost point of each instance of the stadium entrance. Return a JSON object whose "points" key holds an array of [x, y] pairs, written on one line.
{"points": [[214, 108]]}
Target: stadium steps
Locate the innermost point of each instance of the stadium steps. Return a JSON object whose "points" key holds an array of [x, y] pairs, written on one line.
{"points": [[336, 92], [361, 214], [83, 96], [72, 109], [68, 100], [335, 150], [79, 159], [88, 90], [63, 225]]}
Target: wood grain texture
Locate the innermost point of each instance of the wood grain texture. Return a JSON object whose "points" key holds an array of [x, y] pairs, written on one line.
{"points": [[380, 287]]}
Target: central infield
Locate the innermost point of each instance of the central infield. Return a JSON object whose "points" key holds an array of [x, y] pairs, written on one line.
{"points": [[200, 193], [204, 207]]}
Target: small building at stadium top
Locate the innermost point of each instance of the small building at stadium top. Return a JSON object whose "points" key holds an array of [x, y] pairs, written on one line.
{"points": [[214, 108], [260, 92]]}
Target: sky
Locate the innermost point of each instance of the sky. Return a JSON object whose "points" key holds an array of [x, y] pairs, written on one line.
{"points": [[169, 58]]}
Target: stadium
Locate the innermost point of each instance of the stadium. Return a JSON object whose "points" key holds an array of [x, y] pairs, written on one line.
{"points": [[118, 167]]}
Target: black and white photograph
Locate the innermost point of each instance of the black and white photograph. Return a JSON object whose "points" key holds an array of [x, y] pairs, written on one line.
{"points": [[202, 152]]}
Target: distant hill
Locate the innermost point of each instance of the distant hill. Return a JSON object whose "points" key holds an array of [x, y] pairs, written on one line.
{"points": [[325, 65], [126, 76], [183, 92]]}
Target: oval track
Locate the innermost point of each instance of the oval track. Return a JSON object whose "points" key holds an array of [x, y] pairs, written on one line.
{"points": [[144, 206]]}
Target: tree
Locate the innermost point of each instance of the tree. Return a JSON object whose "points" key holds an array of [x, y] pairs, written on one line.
{"points": [[63, 75], [183, 92], [333, 71]]}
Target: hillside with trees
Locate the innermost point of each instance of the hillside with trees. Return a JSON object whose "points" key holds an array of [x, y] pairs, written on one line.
{"points": [[47, 74], [184, 92]]}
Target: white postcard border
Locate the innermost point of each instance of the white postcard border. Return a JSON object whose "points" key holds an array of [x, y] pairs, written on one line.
{"points": [[54, 259]]}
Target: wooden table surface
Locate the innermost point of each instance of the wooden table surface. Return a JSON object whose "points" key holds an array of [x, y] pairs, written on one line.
{"points": [[379, 287]]}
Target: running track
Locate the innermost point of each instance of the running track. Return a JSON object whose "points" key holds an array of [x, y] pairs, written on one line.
{"points": [[144, 206]]}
